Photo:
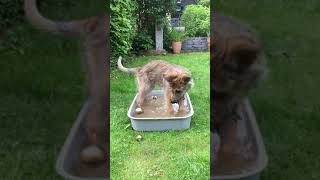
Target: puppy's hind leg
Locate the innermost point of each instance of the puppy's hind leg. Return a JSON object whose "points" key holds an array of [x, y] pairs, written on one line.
{"points": [[144, 89]]}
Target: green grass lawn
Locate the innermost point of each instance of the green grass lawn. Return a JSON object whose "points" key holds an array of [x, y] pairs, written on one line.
{"points": [[161, 155], [287, 105], [42, 89]]}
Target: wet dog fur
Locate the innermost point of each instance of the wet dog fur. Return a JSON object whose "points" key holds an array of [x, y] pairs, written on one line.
{"points": [[174, 80], [238, 65]]}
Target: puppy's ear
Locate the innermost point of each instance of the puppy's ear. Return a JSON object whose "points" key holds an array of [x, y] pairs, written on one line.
{"points": [[190, 85], [170, 76], [244, 51], [186, 78]]}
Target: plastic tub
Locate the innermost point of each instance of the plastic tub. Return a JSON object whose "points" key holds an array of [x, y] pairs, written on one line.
{"points": [[68, 164], [160, 123], [253, 171]]}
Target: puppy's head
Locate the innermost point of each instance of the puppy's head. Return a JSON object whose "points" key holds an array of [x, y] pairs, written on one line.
{"points": [[178, 84], [239, 59], [239, 65]]}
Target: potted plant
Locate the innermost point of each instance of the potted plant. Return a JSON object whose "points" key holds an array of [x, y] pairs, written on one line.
{"points": [[177, 38]]}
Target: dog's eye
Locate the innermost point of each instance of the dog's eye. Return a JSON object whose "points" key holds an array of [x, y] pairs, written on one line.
{"points": [[178, 91]]}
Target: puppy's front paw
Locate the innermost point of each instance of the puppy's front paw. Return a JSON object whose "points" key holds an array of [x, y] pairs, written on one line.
{"points": [[139, 111]]}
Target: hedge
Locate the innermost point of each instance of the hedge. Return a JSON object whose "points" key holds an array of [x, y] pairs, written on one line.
{"points": [[195, 18], [123, 27]]}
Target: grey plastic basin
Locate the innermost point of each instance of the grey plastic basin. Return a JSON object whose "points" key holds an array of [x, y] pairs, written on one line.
{"points": [[68, 160], [160, 123], [261, 159]]}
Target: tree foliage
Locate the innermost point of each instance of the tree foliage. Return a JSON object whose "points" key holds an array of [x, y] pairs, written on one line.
{"points": [[195, 18], [153, 12], [123, 27], [205, 3]]}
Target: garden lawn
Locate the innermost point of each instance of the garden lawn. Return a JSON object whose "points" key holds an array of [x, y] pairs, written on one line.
{"points": [[161, 155], [287, 105], [42, 88]]}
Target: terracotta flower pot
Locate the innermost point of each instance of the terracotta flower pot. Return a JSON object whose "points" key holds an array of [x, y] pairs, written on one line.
{"points": [[176, 46], [208, 40]]}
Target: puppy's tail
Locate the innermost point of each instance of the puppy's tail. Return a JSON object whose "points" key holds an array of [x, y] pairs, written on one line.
{"points": [[124, 69]]}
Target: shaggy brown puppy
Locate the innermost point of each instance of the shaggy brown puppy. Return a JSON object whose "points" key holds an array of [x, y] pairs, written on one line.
{"points": [[94, 33], [175, 81], [238, 64]]}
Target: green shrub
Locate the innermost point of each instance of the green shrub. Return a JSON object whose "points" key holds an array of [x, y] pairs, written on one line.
{"points": [[11, 12], [142, 41], [177, 35], [205, 27], [153, 12], [133, 24], [205, 3], [195, 18], [123, 27], [167, 40]]}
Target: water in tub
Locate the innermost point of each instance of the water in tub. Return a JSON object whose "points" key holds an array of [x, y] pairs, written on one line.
{"points": [[155, 106]]}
